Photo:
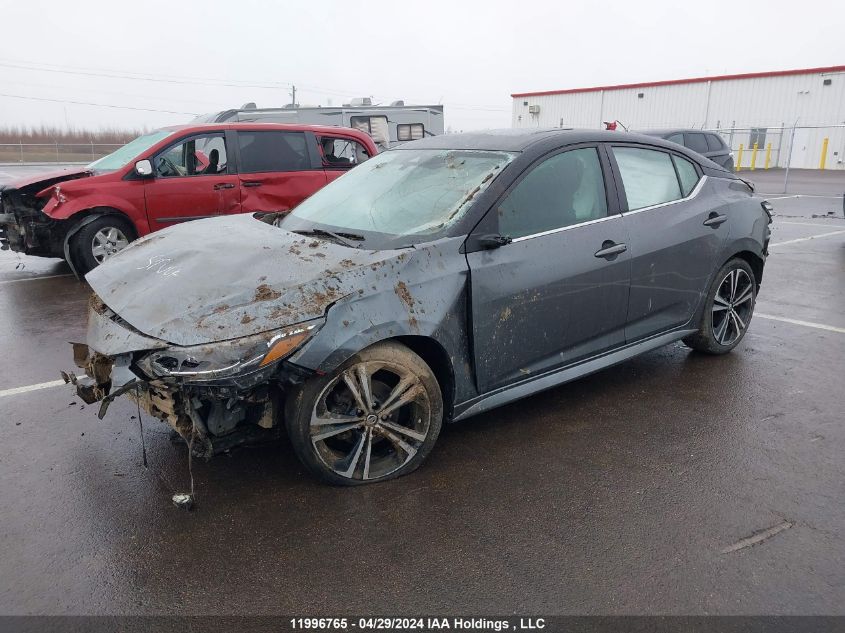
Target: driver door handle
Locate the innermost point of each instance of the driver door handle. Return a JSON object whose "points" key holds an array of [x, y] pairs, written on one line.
{"points": [[714, 219], [610, 249], [224, 185]]}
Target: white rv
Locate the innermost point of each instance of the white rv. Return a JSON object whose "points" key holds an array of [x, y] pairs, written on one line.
{"points": [[388, 125]]}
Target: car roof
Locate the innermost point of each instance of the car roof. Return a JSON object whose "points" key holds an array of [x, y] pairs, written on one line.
{"points": [[672, 130], [258, 125], [520, 139]]}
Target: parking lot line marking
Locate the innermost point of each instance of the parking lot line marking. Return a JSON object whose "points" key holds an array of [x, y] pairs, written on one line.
{"points": [[804, 239], [809, 223], [757, 537], [818, 326], [41, 385], [796, 195], [14, 281]]}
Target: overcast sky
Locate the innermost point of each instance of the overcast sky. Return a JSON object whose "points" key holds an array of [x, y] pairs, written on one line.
{"points": [[469, 56]]}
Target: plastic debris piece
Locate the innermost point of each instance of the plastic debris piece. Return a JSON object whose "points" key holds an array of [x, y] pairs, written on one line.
{"points": [[183, 500]]}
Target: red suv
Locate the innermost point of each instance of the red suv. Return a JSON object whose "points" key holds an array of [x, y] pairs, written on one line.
{"points": [[173, 175]]}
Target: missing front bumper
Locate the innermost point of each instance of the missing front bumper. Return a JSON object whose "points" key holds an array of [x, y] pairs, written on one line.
{"points": [[211, 419]]}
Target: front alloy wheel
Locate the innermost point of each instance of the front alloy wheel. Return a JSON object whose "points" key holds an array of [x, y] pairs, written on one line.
{"points": [[375, 418], [106, 242], [99, 240]]}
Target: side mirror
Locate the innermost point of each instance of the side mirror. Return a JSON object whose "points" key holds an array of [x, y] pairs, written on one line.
{"points": [[144, 168]]}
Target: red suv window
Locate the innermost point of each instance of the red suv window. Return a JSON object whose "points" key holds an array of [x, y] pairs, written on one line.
{"points": [[272, 151]]}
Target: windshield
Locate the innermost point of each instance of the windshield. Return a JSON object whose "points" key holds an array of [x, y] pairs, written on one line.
{"points": [[122, 156], [400, 196]]}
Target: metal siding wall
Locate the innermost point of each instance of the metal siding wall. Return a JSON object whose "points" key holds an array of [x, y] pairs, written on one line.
{"points": [[664, 106], [765, 101], [742, 103]]}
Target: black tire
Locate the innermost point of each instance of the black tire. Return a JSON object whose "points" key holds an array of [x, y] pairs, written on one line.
{"points": [[337, 459], [82, 250], [710, 337]]}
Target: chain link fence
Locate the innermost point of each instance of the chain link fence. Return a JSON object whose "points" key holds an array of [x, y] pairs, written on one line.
{"points": [[786, 147], [35, 153]]}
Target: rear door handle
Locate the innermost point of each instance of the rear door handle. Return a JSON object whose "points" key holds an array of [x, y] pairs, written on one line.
{"points": [[251, 183], [224, 185], [714, 219], [610, 249]]}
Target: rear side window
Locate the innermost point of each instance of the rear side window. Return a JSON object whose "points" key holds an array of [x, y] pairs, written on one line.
{"points": [[686, 174], [563, 190], [676, 138], [696, 142], [714, 143], [648, 176], [272, 151]]}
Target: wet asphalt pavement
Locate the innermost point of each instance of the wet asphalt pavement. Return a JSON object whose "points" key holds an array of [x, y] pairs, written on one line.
{"points": [[615, 494]]}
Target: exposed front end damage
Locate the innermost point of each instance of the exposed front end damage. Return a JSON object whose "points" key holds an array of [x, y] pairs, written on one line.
{"points": [[214, 396], [24, 227]]}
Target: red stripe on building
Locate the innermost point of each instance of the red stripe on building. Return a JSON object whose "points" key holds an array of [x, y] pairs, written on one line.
{"points": [[693, 80]]}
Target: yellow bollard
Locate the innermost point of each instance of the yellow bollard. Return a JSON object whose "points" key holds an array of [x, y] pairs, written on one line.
{"points": [[754, 157], [768, 155], [823, 159], [739, 158]]}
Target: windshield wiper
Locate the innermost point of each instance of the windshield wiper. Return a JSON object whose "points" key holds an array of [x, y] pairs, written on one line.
{"points": [[343, 238]]}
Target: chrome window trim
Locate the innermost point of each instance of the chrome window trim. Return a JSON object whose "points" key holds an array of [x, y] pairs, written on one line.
{"points": [[566, 228], [692, 194]]}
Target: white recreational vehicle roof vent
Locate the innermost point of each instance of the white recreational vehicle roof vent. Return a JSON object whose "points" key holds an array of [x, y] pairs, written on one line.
{"points": [[361, 101]]}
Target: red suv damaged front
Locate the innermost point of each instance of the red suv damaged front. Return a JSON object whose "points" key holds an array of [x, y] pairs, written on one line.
{"points": [[171, 176]]}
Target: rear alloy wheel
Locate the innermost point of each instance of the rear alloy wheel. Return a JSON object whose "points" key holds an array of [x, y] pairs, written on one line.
{"points": [[728, 311], [375, 418], [99, 241]]}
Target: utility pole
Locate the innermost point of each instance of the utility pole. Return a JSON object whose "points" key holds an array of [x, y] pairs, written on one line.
{"points": [[293, 96]]}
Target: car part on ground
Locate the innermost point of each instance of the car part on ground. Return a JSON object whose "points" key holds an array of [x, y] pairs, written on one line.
{"points": [[423, 288]]}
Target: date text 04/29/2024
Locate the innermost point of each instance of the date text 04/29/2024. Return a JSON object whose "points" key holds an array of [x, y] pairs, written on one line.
{"points": [[419, 624]]}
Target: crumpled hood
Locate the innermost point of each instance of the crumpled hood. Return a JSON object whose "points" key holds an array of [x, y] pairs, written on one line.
{"points": [[223, 278], [40, 181]]}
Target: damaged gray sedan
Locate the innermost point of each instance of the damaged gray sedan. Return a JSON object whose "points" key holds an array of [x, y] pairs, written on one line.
{"points": [[436, 281]]}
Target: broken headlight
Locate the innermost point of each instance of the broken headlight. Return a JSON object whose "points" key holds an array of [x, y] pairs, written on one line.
{"points": [[226, 359]]}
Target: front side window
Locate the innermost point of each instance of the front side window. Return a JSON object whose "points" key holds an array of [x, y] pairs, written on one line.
{"points": [[342, 152], [409, 131], [401, 196], [197, 156], [647, 175], [563, 190], [696, 142], [272, 151]]}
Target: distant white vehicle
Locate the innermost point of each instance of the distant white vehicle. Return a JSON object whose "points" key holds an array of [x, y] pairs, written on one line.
{"points": [[387, 125]]}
